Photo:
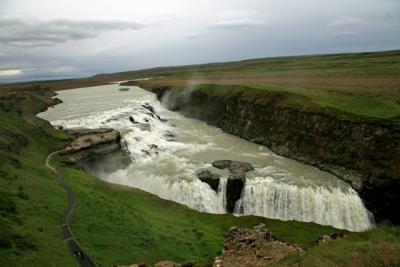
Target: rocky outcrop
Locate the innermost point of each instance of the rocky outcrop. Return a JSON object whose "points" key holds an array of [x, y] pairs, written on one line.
{"points": [[234, 167], [209, 178], [234, 185], [253, 247], [96, 151], [364, 153]]}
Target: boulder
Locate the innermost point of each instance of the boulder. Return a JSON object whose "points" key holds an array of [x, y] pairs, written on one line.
{"points": [[209, 178], [148, 107], [132, 119], [160, 119], [234, 167]]}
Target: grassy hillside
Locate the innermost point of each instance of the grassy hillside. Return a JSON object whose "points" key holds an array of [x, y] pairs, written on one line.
{"points": [[379, 247], [31, 202]]}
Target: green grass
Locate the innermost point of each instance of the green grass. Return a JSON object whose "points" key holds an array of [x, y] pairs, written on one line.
{"points": [[378, 247], [371, 64], [31, 201], [356, 86], [369, 105]]}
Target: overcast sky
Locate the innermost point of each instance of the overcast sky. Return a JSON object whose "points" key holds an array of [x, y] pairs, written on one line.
{"points": [[45, 39]]}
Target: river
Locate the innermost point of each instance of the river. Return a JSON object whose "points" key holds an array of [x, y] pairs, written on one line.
{"points": [[167, 153]]}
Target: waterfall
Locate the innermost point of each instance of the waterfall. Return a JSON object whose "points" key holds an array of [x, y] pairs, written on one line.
{"points": [[222, 192], [334, 206], [168, 149]]}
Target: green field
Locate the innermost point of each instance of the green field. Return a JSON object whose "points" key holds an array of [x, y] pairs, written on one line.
{"points": [[365, 85]]}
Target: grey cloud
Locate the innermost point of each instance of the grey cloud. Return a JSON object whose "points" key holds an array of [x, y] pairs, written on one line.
{"points": [[345, 21], [32, 33], [227, 24], [183, 32], [345, 33], [237, 23]]}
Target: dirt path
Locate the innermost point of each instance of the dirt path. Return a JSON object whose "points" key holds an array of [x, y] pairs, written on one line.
{"points": [[73, 245]]}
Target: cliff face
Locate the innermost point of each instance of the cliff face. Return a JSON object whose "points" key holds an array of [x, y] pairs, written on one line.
{"points": [[364, 153], [96, 151]]}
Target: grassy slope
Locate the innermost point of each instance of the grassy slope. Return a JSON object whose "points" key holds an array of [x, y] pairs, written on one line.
{"points": [[28, 234], [365, 85], [379, 247]]}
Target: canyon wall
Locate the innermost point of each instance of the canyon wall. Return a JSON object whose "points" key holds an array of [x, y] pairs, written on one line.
{"points": [[364, 153]]}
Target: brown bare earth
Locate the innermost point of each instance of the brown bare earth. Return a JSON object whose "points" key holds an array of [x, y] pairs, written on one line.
{"points": [[253, 247]]}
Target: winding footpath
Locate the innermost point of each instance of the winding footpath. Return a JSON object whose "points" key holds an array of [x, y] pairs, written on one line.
{"points": [[73, 245]]}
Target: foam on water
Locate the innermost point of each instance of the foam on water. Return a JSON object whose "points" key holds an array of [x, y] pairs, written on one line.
{"points": [[166, 156]]}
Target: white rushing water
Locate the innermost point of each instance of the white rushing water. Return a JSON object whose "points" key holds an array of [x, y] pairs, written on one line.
{"points": [[167, 154]]}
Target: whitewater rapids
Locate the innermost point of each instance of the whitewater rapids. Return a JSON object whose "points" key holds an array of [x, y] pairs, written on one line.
{"points": [[167, 153]]}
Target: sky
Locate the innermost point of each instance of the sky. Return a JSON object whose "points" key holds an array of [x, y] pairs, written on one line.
{"points": [[47, 39]]}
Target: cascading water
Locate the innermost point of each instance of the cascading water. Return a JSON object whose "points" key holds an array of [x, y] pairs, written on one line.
{"points": [[330, 206], [168, 149]]}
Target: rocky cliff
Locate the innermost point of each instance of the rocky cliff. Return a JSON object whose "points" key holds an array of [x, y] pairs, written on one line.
{"points": [[95, 151], [364, 153]]}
